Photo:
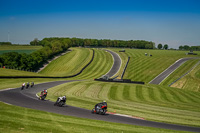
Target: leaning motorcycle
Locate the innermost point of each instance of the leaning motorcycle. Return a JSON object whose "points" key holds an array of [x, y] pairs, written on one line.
{"points": [[100, 110], [60, 103], [43, 96]]}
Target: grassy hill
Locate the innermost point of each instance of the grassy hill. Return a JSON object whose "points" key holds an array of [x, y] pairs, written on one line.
{"points": [[68, 64], [190, 81], [152, 102], [145, 68], [101, 64]]}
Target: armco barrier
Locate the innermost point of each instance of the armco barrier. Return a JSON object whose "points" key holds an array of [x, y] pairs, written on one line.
{"points": [[53, 77], [120, 81], [125, 68]]}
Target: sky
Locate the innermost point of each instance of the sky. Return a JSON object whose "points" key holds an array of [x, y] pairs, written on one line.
{"points": [[172, 22]]}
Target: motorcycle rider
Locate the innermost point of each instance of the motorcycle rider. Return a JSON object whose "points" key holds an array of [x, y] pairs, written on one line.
{"points": [[63, 98], [99, 105], [23, 85], [43, 92], [32, 84], [27, 85]]}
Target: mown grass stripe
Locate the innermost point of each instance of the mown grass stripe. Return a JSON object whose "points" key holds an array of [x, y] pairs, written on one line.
{"points": [[112, 93], [139, 94], [126, 92]]}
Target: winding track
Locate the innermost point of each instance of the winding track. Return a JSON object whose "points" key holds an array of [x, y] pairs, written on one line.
{"points": [[116, 65], [28, 99]]}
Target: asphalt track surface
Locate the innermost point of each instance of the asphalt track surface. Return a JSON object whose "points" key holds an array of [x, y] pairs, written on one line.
{"points": [[27, 98], [169, 70], [116, 65]]}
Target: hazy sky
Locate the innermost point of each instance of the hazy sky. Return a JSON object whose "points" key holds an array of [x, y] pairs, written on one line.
{"points": [[172, 22]]}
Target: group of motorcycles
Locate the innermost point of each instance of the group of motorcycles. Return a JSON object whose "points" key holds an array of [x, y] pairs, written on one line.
{"points": [[27, 85], [100, 108]]}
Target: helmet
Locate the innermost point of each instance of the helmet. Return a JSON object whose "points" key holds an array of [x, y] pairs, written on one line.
{"points": [[104, 101], [64, 96]]}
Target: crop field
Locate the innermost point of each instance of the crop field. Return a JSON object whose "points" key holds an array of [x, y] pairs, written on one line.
{"points": [[153, 102], [145, 68], [19, 49]]}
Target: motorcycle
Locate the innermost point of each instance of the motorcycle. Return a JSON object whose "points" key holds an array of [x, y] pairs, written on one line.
{"points": [[32, 84], [61, 103], [27, 86], [101, 109], [42, 96], [22, 87]]}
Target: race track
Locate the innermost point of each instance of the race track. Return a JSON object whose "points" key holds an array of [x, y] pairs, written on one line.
{"points": [[116, 65], [27, 98], [169, 70]]}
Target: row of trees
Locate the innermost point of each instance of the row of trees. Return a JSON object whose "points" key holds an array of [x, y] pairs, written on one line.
{"points": [[186, 47], [36, 59], [160, 46], [5, 43], [141, 44]]}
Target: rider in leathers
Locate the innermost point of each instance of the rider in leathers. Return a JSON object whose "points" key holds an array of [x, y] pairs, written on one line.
{"points": [[99, 105], [63, 98]]}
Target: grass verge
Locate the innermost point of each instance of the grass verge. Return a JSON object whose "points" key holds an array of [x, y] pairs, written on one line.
{"points": [[17, 119]]}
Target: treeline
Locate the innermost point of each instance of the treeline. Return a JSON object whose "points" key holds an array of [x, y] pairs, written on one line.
{"points": [[5, 43], [186, 47], [54, 46], [35, 60], [75, 42]]}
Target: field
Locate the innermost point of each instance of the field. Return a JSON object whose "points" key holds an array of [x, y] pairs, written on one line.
{"points": [[190, 81], [17, 119], [186, 67], [145, 68], [152, 102], [68, 64], [19, 49]]}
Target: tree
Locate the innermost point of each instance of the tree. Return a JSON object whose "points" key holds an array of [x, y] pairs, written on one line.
{"points": [[34, 42], [186, 47], [160, 46], [181, 47], [165, 46]]}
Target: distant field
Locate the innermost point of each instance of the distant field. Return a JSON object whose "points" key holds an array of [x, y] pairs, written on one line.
{"points": [[151, 102], [145, 68], [19, 49]]}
